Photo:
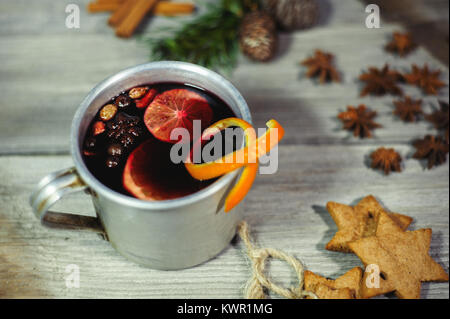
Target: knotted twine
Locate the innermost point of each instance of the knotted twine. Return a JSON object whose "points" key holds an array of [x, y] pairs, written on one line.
{"points": [[258, 256]]}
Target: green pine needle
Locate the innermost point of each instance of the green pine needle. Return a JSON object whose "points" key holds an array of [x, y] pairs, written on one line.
{"points": [[210, 40]]}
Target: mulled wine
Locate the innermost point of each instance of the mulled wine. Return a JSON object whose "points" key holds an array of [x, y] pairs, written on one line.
{"points": [[127, 145]]}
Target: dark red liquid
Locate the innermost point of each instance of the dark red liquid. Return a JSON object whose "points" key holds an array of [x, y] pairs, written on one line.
{"points": [[169, 180]]}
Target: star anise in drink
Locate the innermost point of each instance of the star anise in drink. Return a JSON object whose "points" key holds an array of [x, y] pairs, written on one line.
{"points": [[440, 119], [381, 81], [432, 148], [321, 65], [125, 129], [425, 79], [359, 120], [386, 159], [408, 109], [401, 44]]}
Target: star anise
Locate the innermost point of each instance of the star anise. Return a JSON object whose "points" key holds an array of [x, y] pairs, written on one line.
{"points": [[408, 109], [359, 120], [380, 82], [433, 148], [387, 159], [425, 79], [321, 65], [125, 129], [440, 118], [402, 44]]}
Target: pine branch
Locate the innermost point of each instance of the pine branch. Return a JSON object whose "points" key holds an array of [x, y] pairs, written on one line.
{"points": [[210, 40]]}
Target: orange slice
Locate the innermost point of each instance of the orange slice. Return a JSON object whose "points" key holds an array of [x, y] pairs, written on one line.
{"points": [[177, 108]]}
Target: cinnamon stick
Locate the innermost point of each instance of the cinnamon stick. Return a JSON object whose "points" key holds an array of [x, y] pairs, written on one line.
{"points": [[94, 7], [163, 8], [166, 8], [110, 1], [134, 18], [120, 14]]}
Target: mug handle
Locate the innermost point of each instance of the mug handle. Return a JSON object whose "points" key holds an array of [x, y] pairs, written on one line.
{"points": [[51, 189]]}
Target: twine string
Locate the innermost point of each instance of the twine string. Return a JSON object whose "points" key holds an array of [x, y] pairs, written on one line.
{"points": [[258, 256]]}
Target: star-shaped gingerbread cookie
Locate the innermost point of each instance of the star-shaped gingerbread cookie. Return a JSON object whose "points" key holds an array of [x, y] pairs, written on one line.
{"points": [[402, 258], [358, 222], [344, 287]]}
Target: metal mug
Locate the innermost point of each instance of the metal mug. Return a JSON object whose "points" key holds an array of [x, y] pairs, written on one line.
{"points": [[169, 234]]}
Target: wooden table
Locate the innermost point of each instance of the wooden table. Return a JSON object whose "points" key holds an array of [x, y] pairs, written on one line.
{"points": [[46, 71]]}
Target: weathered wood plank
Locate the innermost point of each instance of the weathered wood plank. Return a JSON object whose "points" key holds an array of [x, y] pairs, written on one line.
{"points": [[285, 211], [20, 17], [49, 16]]}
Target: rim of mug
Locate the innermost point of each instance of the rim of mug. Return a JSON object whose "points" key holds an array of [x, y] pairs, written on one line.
{"points": [[102, 189]]}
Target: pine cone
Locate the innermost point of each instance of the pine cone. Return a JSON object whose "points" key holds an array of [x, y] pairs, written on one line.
{"points": [[293, 14], [258, 36]]}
